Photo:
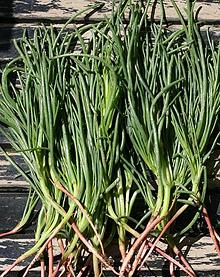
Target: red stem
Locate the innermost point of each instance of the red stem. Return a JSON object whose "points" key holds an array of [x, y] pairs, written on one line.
{"points": [[211, 230], [42, 268], [175, 249], [166, 227], [171, 267], [62, 249], [188, 268], [171, 264], [216, 235], [68, 266], [179, 254], [61, 245], [137, 259], [56, 271], [122, 250], [12, 232], [91, 248], [50, 257], [169, 258], [80, 206], [37, 256], [19, 260], [138, 241]]}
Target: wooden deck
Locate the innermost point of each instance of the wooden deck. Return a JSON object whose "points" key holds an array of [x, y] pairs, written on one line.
{"points": [[19, 14], [15, 16]]}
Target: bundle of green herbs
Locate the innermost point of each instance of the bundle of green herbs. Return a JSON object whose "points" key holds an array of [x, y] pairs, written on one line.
{"points": [[105, 116], [172, 107]]}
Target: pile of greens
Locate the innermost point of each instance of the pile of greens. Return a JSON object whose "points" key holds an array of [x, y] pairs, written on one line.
{"points": [[107, 116]]}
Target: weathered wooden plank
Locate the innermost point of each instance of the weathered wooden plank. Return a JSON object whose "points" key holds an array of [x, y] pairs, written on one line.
{"points": [[61, 9], [201, 256], [10, 249], [10, 32], [9, 177], [11, 210], [34, 11]]}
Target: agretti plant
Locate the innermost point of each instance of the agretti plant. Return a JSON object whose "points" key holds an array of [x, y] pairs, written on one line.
{"points": [[63, 121], [109, 114], [173, 106], [64, 115]]}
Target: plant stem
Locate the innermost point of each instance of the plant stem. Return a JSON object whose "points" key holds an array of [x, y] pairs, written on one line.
{"points": [[166, 201], [12, 232], [138, 241], [180, 255], [166, 227], [96, 269], [171, 268], [211, 230], [50, 256], [91, 248], [77, 202], [137, 258], [169, 258], [42, 267], [122, 245]]}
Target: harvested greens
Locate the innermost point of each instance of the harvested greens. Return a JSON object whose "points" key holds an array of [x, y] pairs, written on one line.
{"points": [[107, 116]]}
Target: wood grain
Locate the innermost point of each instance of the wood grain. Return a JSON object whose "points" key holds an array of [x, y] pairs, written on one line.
{"points": [[11, 210], [201, 256], [9, 177], [46, 9], [8, 51], [17, 15]]}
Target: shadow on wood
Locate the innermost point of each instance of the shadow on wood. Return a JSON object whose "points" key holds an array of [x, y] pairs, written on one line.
{"points": [[6, 11]]}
